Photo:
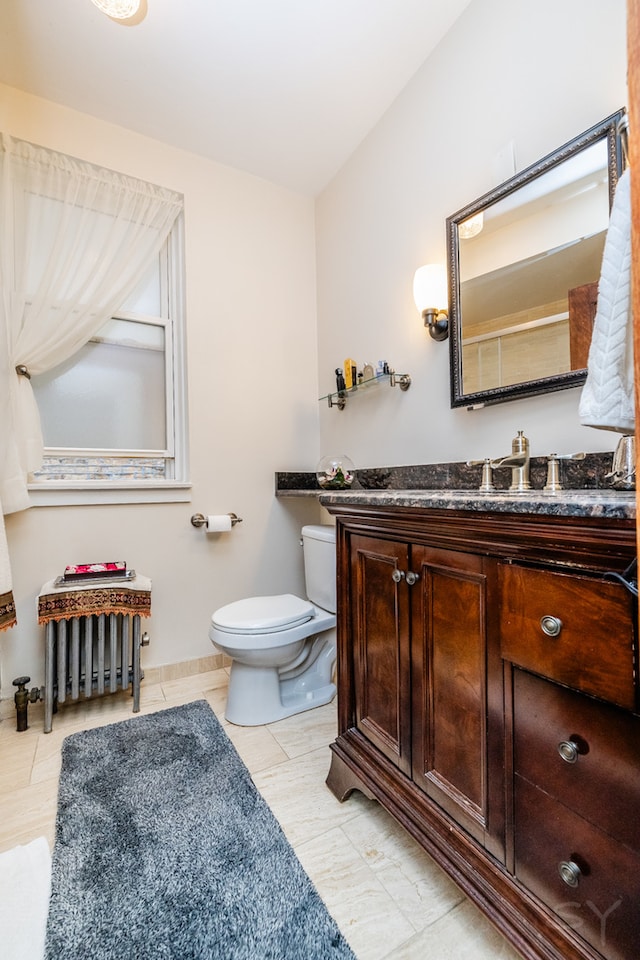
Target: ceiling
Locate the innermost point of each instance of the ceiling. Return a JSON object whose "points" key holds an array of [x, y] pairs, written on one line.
{"points": [[283, 89]]}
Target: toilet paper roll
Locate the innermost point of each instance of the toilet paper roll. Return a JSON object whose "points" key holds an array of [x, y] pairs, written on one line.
{"points": [[218, 523]]}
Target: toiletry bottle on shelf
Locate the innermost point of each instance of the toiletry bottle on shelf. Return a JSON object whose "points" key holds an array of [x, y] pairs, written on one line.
{"points": [[350, 376]]}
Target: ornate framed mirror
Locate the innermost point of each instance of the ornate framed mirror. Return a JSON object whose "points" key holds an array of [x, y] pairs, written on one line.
{"points": [[524, 262]]}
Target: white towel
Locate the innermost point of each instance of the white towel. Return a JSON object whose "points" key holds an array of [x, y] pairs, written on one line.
{"points": [[25, 888], [607, 399]]}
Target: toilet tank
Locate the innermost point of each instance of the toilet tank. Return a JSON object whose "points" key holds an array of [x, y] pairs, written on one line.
{"points": [[319, 546]]}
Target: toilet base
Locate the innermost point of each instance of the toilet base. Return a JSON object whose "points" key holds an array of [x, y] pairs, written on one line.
{"points": [[270, 697]]}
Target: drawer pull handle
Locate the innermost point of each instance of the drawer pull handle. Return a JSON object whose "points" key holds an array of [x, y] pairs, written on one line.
{"points": [[397, 576], [551, 626], [568, 750], [569, 872]]}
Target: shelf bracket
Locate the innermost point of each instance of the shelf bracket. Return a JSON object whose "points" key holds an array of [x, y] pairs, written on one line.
{"points": [[402, 380], [339, 400]]}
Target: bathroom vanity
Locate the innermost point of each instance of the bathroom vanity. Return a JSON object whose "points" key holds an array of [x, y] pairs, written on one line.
{"points": [[488, 699]]}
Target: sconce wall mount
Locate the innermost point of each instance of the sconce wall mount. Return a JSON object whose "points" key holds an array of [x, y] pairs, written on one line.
{"points": [[437, 322]]}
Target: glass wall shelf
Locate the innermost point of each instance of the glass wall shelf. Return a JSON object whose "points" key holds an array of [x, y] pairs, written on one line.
{"points": [[339, 397]]}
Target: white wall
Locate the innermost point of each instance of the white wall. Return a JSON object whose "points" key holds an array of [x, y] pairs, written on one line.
{"points": [[537, 74], [252, 364]]}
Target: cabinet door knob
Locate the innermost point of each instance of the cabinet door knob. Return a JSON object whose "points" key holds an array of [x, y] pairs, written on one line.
{"points": [[568, 750], [551, 626], [412, 577], [569, 872], [397, 576]]}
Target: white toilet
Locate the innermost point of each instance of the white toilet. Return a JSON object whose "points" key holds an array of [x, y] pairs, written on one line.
{"points": [[283, 648]]}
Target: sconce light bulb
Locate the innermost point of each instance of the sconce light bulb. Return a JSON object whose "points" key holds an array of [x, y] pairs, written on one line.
{"points": [[430, 287], [430, 295]]}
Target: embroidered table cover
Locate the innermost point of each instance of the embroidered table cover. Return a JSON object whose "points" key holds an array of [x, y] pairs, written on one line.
{"points": [[7, 610], [81, 600]]}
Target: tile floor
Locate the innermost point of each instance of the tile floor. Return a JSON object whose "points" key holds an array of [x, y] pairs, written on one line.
{"points": [[391, 901]]}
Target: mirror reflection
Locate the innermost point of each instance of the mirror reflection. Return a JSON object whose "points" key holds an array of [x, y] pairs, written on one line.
{"points": [[524, 263]]}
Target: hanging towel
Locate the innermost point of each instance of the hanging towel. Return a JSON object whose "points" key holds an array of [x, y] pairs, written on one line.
{"points": [[607, 399], [7, 606]]}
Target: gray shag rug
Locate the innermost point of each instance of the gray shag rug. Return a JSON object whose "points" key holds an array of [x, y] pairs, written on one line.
{"points": [[165, 849]]}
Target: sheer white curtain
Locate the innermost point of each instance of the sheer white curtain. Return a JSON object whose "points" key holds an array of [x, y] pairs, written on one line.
{"points": [[75, 241]]}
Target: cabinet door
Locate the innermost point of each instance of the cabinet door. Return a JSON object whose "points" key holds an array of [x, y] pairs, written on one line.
{"points": [[449, 637], [380, 645]]}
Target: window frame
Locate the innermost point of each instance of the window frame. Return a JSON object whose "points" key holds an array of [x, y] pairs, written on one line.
{"points": [[176, 486]]}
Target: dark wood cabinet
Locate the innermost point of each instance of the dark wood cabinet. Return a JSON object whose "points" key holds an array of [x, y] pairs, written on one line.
{"points": [[381, 654], [419, 673], [488, 698], [449, 694]]}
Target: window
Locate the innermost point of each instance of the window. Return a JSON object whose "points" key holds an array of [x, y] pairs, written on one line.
{"points": [[114, 415]]}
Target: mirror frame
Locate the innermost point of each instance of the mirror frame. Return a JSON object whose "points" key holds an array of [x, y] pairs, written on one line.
{"points": [[609, 129]]}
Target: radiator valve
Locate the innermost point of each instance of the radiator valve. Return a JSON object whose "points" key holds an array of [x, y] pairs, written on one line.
{"points": [[22, 698]]}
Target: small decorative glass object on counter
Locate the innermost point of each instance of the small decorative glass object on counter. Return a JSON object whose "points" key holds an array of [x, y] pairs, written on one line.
{"points": [[335, 473]]}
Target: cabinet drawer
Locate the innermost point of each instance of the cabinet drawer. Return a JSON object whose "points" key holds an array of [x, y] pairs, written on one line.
{"points": [[602, 907], [580, 751], [572, 629]]}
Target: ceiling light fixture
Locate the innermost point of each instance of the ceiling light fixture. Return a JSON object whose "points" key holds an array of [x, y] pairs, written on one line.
{"points": [[126, 12], [471, 227]]}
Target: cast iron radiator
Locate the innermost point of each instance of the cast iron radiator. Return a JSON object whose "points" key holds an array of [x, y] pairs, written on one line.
{"points": [[90, 656]]}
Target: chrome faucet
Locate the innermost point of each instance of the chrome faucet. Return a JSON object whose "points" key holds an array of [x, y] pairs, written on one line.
{"points": [[518, 461], [519, 470]]}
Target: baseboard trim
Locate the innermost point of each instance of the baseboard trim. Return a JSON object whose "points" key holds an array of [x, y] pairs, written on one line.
{"points": [[186, 668]]}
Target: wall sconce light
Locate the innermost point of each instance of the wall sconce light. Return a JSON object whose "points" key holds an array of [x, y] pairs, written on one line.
{"points": [[430, 295]]}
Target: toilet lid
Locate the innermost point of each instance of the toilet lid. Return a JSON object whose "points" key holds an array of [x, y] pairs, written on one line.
{"points": [[263, 614]]}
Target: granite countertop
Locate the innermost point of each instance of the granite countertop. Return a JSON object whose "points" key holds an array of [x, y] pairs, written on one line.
{"points": [[611, 504], [586, 492]]}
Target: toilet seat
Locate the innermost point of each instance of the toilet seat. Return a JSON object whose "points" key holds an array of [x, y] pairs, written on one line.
{"points": [[263, 615]]}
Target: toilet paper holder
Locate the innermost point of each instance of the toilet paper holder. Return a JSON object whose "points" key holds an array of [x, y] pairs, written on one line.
{"points": [[199, 519]]}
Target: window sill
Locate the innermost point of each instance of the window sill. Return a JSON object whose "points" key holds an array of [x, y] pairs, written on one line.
{"points": [[96, 492]]}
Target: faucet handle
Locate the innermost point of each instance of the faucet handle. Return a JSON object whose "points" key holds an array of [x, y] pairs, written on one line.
{"points": [[486, 484], [553, 469], [567, 456]]}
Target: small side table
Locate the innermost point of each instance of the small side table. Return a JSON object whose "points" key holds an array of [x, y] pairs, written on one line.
{"points": [[93, 639]]}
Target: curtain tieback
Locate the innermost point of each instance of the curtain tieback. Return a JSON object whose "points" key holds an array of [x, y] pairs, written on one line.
{"points": [[23, 371]]}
